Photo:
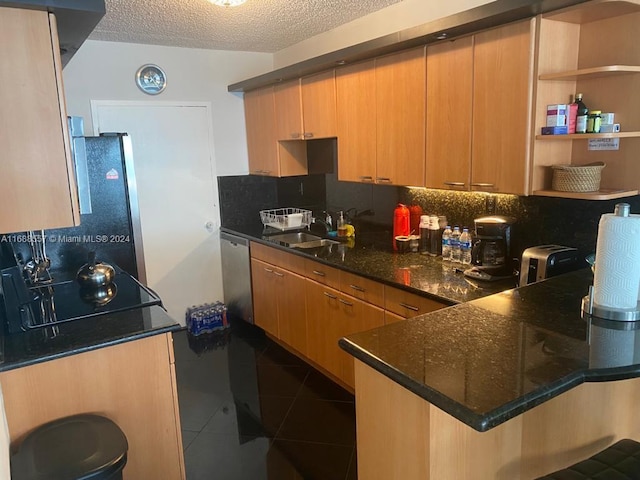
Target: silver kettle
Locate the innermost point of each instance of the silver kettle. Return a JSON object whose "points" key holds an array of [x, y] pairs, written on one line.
{"points": [[95, 274]]}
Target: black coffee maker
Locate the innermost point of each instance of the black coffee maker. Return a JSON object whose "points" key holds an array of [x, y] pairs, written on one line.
{"points": [[491, 251]]}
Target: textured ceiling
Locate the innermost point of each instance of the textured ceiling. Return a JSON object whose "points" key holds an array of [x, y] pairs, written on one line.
{"points": [[256, 26]]}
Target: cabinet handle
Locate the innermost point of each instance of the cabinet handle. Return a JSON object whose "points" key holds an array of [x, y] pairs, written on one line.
{"points": [[295, 135], [308, 135], [317, 272], [349, 304], [366, 178], [327, 294], [455, 184], [483, 185], [383, 179], [268, 270], [357, 288], [278, 274], [410, 307]]}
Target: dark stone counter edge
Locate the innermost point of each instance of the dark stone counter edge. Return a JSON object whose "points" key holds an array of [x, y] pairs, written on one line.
{"points": [[493, 418], [87, 348], [296, 251]]}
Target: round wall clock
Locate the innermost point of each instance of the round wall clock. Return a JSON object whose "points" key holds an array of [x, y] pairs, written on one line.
{"points": [[151, 79]]}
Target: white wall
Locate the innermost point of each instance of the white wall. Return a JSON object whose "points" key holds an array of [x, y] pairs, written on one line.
{"points": [[106, 71], [400, 16]]}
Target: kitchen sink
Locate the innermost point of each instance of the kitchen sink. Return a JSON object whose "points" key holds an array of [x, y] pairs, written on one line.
{"points": [[323, 242], [301, 240]]}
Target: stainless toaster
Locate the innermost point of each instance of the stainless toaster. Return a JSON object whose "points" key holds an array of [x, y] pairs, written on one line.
{"points": [[545, 261]]}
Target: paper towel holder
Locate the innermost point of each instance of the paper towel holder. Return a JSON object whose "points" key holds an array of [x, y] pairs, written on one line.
{"points": [[591, 309]]}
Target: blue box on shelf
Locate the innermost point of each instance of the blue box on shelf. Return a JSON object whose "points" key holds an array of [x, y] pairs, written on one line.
{"points": [[562, 130]]}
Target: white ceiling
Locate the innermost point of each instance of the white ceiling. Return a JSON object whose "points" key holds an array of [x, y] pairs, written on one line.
{"points": [[256, 26]]}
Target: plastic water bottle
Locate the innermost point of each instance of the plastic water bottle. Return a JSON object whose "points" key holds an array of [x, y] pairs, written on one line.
{"points": [[455, 245], [446, 243], [465, 247]]}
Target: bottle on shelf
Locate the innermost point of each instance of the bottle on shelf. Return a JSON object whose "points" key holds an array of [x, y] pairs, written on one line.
{"points": [[581, 115], [455, 244], [465, 247], [435, 241], [425, 239], [446, 243]]}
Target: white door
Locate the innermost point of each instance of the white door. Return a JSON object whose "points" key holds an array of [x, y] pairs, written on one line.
{"points": [[177, 193]]}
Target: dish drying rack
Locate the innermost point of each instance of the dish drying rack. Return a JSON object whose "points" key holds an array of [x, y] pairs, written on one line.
{"points": [[286, 218]]}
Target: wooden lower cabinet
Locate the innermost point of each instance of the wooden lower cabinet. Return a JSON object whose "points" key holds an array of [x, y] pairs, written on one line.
{"points": [[278, 303], [330, 316], [265, 306], [133, 384]]}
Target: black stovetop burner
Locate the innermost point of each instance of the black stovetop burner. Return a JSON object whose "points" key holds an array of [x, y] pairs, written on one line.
{"points": [[46, 305]]}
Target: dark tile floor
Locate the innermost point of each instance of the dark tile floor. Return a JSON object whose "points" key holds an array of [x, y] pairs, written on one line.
{"points": [[252, 411]]}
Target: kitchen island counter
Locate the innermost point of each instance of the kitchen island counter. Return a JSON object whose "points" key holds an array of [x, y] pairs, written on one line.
{"points": [[522, 367], [372, 258]]}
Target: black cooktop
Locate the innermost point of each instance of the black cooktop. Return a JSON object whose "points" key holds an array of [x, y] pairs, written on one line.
{"points": [[67, 301]]}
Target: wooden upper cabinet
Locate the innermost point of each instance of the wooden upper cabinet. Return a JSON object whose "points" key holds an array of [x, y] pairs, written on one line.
{"points": [[400, 106], [502, 108], [259, 113], [288, 111], [449, 110], [319, 105], [356, 122], [38, 180]]}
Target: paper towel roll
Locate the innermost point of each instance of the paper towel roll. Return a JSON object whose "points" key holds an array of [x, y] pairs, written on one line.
{"points": [[617, 273]]}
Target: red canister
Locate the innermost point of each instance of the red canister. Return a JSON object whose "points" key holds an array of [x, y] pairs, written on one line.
{"points": [[401, 223], [415, 212]]}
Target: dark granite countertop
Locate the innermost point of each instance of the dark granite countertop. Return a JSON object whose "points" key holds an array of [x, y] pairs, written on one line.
{"points": [[491, 359], [78, 336], [373, 258]]}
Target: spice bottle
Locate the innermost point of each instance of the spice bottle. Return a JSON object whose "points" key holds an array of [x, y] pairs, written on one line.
{"points": [[594, 121]]}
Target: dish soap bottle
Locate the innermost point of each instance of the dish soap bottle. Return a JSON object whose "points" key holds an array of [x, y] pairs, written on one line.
{"points": [[342, 226]]}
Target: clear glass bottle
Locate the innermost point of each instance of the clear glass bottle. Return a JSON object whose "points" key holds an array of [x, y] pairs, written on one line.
{"points": [[446, 243], [465, 247], [455, 244]]}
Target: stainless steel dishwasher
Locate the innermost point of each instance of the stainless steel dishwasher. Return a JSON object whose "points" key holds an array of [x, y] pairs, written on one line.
{"points": [[236, 276]]}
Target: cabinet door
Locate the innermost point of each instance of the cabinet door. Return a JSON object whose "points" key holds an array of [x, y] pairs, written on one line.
{"points": [[356, 112], [259, 113], [288, 111], [292, 313], [400, 131], [502, 93], [330, 316], [449, 109], [265, 304], [37, 181], [319, 105]]}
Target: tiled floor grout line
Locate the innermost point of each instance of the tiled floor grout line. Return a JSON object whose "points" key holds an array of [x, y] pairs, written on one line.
{"points": [[291, 406]]}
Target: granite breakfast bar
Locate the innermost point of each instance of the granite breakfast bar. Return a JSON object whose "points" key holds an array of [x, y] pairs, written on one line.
{"points": [[510, 386]]}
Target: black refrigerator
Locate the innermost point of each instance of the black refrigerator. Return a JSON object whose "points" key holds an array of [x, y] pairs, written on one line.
{"points": [[109, 214]]}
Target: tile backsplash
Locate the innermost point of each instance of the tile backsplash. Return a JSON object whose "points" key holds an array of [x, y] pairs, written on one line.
{"points": [[539, 220]]}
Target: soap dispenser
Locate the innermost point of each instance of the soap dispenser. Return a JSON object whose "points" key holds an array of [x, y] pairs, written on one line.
{"points": [[342, 226]]}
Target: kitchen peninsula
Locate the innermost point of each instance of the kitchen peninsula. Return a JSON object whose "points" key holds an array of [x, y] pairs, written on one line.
{"points": [[511, 386]]}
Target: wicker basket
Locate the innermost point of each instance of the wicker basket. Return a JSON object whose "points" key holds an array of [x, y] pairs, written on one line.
{"points": [[577, 178]]}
